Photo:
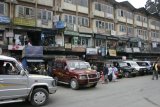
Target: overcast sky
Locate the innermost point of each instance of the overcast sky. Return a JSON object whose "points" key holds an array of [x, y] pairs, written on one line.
{"points": [[136, 3]]}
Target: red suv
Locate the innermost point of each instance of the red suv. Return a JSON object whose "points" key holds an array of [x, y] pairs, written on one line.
{"points": [[75, 73]]}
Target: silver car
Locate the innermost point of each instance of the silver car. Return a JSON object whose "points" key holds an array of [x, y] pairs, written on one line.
{"points": [[16, 85]]}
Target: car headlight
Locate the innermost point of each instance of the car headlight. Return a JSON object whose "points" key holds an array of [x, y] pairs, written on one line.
{"points": [[83, 77], [54, 82]]}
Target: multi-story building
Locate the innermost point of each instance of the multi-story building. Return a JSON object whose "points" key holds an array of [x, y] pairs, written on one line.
{"points": [[88, 28]]}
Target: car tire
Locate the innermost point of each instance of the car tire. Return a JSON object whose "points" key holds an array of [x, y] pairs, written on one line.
{"points": [[126, 74], [74, 84], [39, 97]]}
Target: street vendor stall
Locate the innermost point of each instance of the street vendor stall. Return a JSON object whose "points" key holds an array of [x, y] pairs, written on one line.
{"points": [[32, 60]]}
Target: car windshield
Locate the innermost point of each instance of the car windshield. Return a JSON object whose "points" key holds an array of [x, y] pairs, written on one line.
{"points": [[142, 63], [78, 65], [123, 64], [133, 64]]}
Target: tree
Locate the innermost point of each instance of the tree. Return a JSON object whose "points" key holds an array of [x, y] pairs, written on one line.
{"points": [[153, 6]]}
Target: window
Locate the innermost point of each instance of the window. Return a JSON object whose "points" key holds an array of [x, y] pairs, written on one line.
{"points": [[9, 68], [141, 19], [83, 3], [100, 42], [122, 28], [103, 25], [98, 6], [70, 18], [130, 30], [124, 13], [83, 21], [142, 32], [104, 8], [83, 41], [65, 18], [44, 14], [79, 2], [2, 8], [26, 12]]}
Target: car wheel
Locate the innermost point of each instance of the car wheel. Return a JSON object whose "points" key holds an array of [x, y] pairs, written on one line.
{"points": [[39, 97], [126, 74], [74, 84]]}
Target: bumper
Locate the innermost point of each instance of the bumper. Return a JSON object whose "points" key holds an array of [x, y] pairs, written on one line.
{"points": [[52, 90], [88, 81]]}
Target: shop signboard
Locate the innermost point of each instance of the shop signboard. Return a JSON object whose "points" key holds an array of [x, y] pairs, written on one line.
{"points": [[91, 51], [128, 50], [15, 47], [33, 51], [71, 33], [4, 20], [59, 25], [78, 48], [9, 34], [68, 46], [136, 49], [24, 21], [112, 52]]}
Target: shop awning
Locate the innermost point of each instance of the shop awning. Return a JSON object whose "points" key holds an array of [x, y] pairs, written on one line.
{"points": [[35, 60], [135, 39]]}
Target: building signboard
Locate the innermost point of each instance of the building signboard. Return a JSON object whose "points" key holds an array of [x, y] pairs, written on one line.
{"points": [[24, 21], [4, 20]]}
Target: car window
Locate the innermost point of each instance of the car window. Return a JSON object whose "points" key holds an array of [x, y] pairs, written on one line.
{"points": [[142, 63], [10, 68], [123, 64], [78, 65]]}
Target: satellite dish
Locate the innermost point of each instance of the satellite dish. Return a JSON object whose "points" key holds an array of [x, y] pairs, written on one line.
{"points": [[0, 51]]}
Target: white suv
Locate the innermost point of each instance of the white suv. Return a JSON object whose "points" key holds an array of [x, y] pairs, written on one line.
{"points": [[140, 69], [16, 85]]}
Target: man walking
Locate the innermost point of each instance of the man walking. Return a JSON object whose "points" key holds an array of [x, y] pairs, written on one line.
{"points": [[105, 74], [155, 71]]}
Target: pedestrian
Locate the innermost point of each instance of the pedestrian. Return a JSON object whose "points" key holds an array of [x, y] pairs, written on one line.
{"points": [[155, 71], [49, 68], [105, 74], [115, 71], [110, 76]]}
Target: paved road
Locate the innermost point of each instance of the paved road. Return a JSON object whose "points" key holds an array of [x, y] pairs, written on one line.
{"points": [[130, 92]]}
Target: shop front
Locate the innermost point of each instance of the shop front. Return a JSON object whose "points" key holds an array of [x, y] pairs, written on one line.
{"points": [[4, 28], [25, 31]]}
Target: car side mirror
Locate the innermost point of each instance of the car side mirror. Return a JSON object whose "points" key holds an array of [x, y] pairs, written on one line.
{"points": [[22, 73]]}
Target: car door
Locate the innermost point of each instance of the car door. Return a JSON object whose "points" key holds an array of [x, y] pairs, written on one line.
{"points": [[13, 85], [59, 71], [66, 74]]}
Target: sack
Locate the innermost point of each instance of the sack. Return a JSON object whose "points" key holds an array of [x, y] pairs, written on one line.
{"points": [[114, 76]]}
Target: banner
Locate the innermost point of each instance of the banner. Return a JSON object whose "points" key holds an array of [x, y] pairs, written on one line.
{"points": [[112, 52]]}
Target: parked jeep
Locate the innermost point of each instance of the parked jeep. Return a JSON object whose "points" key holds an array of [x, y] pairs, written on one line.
{"points": [[16, 85], [75, 73], [126, 70], [140, 69]]}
